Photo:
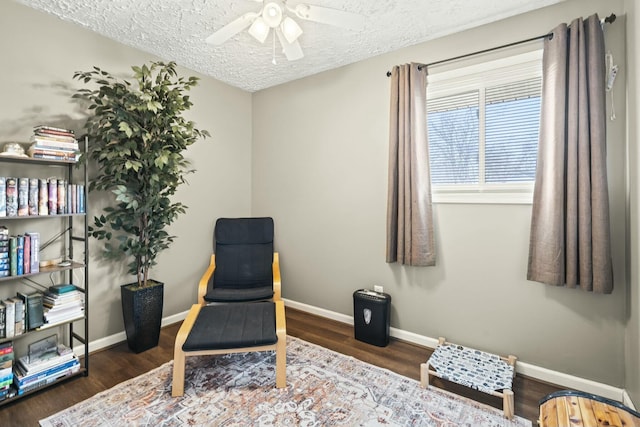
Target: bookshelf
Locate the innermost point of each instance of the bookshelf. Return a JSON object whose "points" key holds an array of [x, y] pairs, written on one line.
{"points": [[70, 238]]}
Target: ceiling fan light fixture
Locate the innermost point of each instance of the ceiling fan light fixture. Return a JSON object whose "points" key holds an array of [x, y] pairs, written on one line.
{"points": [[259, 29], [272, 14], [290, 29]]}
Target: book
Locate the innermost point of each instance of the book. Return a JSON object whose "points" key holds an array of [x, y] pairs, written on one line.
{"points": [[3, 196], [7, 357], [7, 347], [21, 379], [13, 255], [33, 310], [19, 327], [53, 153], [73, 198], [35, 251], [81, 198], [49, 379], [62, 288], [62, 198], [10, 318], [20, 255], [26, 258], [53, 130], [23, 196], [51, 149], [3, 317], [27, 371], [53, 196], [43, 197], [11, 194], [33, 196]]}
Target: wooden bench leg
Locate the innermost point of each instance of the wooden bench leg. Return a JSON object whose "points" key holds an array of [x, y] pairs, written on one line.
{"points": [[507, 404], [177, 384], [179, 357], [281, 346], [425, 376]]}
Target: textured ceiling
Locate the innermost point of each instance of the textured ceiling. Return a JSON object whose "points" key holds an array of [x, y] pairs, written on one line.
{"points": [[176, 30]]}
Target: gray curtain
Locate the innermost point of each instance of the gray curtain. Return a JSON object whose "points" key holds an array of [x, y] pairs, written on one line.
{"points": [[409, 212], [570, 237]]}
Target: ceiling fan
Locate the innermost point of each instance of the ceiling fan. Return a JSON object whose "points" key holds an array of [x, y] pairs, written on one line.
{"points": [[273, 15]]}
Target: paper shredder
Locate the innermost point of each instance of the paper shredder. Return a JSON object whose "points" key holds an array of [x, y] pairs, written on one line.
{"points": [[371, 312]]}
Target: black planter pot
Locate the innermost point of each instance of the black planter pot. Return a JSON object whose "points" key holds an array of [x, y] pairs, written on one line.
{"points": [[142, 312]]}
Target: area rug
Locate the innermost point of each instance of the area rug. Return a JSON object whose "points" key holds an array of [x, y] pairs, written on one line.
{"points": [[324, 388]]}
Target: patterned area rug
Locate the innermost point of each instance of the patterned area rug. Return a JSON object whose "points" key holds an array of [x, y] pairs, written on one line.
{"points": [[325, 388]]}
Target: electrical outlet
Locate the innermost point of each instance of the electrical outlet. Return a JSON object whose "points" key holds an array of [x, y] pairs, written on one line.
{"points": [[379, 289]]}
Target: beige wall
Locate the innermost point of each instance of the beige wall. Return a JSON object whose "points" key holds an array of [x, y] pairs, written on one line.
{"points": [[313, 154], [632, 355], [319, 168], [39, 55]]}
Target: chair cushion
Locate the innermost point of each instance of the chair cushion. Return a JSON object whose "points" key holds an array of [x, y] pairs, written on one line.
{"points": [[243, 231], [244, 259], [231, 326], [239, 295]]}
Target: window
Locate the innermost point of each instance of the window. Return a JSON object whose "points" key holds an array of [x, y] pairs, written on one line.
{"points": [[483, 124]]}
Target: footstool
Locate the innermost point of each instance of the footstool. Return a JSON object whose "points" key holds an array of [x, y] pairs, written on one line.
{"points": [[230, 328], [485, 372]]}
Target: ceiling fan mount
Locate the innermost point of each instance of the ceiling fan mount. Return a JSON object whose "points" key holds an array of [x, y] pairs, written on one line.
{"points": [[273, 16]]}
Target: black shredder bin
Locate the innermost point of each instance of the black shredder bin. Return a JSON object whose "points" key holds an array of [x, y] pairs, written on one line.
{"points": [[371, 312]]}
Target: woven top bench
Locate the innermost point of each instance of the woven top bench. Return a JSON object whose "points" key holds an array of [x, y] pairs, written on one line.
{"points": [[479, 370]]}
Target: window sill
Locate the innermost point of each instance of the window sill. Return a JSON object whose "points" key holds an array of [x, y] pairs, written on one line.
{"points": [[498, 198]]}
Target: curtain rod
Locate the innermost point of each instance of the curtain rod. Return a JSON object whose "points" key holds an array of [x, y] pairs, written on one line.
{"points": [[609, 20]]}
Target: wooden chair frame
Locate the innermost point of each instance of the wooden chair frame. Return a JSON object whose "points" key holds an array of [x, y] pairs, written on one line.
{"points": [[204, 280], [180, 355]]}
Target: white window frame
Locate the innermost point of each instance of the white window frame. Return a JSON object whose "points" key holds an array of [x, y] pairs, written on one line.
{"points": [[487, 74]]}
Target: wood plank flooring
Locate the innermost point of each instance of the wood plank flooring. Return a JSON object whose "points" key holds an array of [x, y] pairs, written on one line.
{"points": [[111, 366]]}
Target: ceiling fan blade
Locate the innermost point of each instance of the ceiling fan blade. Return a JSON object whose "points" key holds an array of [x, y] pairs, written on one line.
{"points": [[293, 50], [232, 28], [329, 16]]}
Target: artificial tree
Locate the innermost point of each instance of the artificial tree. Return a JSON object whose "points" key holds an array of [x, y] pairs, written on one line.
{"points": [[137, 139]]}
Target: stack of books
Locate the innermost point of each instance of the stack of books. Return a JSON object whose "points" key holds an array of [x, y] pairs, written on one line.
{"points": [[5, 261], [6, 369], [63, 303], [31, 372], [53, 143]]}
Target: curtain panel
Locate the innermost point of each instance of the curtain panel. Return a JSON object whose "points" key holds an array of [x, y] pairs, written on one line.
{"points": [[410, 238], [570, 235]]}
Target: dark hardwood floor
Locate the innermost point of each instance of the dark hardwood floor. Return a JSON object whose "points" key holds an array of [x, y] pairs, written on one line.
{"points": [[111, 366]]}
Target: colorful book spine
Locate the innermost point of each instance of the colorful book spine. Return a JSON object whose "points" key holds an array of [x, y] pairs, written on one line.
{"points": [[62, 197], [3, 196], [11, 193], [10, 318], [3, 319], [20, 316], [20, 256], [33, 196], [13, 256], [81, 199], [5, 262], [23, 196], [35, 251], [53, 196], [26, 258], [43, 197]]}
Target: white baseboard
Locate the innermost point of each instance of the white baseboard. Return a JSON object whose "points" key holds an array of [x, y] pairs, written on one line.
{"points": [[119, 337], [528, 369], [524, 368]]}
